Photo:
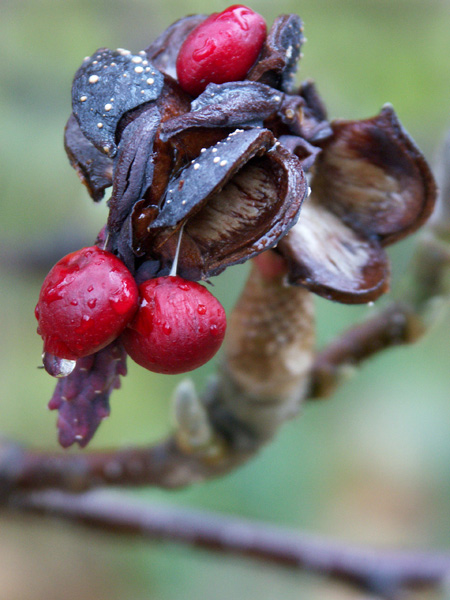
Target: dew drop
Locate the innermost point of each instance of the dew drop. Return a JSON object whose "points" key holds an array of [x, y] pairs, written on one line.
{"points": [[74, 302], [90, 288], [214, 330], [92, 302], [167, 329], [58, 367], [201, 309], [183, 286]]}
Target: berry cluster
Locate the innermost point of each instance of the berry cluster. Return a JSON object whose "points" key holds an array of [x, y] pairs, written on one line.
{"points": [[90, 298]]}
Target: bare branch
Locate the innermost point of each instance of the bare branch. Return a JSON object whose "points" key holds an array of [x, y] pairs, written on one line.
{"points": [[380, 571]]}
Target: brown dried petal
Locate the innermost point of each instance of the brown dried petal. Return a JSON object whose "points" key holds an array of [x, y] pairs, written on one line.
{"points": [[93, 168], [278, 60], [251, 213], [164, 50], [372, 176], [329, 258], [233, 104], [133, 170]]}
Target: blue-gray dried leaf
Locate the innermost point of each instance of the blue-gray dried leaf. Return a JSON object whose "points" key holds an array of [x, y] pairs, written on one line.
{"points": [[107, 85]]}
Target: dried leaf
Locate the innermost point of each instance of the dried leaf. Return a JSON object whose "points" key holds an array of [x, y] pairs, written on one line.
{"points": [[164, 50], [82, 398], [277, 63], [93, 168], [373, 177], [332, 260], [108, 84]]}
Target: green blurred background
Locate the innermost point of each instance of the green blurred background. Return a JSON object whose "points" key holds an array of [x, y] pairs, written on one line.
{"points": [[371, 465]]}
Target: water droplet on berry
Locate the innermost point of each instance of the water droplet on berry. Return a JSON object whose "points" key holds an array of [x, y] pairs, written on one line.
{"points": [[90, 288], [183, 286], [74, 302], [207, 48], [167, 329], [201, 309], [92, 302], [57, 367], [214, 330]]}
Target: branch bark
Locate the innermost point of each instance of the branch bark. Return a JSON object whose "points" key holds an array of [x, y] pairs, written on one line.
{"points": [[378, 571]]}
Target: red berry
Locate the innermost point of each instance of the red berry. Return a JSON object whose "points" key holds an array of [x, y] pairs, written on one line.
{"points": [[86, 300], [222, 48], [179, 326]]}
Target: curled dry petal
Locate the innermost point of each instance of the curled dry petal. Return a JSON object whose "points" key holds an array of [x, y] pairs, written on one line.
{"points": [[238, 103], [107, 85], [94, 168], [164, 50], [302, 149], [372, 176], [250, 214], [314, 126], [82, 398], [329, 258], [277, 63]]}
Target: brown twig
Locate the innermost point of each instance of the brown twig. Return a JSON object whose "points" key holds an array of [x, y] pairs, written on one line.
{"points": [[396, 325], [380, 571], [163, 465]]}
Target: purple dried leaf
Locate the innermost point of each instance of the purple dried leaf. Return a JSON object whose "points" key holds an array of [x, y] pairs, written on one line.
{"points": [[82, 398], [372, 176], [93, 168], [107, 85], [164, 50], [278, 60]]}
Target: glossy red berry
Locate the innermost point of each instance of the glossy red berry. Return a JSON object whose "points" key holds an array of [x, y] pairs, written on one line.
{"points": [[179, 326], [86, 300], [222, 48]]}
